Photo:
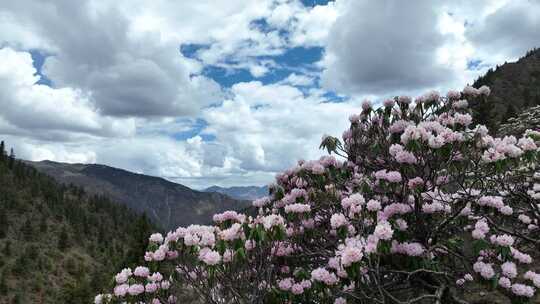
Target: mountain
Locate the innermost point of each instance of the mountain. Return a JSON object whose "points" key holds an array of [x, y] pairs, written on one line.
{"points": [[514, 87], [242, 193], [59, 244], [166, 203]]}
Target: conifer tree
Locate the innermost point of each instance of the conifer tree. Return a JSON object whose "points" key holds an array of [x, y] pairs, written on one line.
{"points": [[43, 225], [4, 224], [28, 230], [11, 159], [7, 249], [63, 239], [2, 151], [3, 284]]}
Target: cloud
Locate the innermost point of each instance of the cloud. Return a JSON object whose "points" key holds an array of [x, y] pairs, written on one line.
{"points": [[39, 111], [312, 25], [508, 31], [269, 127], [298, 80], [124, 95], [385, 46], [124, 73]]}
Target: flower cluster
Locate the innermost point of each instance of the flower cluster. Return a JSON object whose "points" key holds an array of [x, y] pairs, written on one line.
{"points": [[388, 221]]}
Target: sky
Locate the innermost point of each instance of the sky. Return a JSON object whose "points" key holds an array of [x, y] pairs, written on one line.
{"points": [[230, 92]]}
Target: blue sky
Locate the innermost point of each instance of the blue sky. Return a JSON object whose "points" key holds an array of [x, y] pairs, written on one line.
{"points": [[236, 96]]}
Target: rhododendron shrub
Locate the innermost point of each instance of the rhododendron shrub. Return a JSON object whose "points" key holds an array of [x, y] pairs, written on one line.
{"points": [[422, 208]]}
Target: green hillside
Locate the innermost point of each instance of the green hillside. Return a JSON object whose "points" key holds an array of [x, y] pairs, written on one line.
{"points": [[514, 87], [57, 243]]}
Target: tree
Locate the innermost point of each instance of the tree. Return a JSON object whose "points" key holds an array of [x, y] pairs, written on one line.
{"points": [[63, 239], [28, 230], [4, 223], [3, 284], [2, 151], [7, 248], [43, 227], [140, 233], [11, 159], [421, 205]]}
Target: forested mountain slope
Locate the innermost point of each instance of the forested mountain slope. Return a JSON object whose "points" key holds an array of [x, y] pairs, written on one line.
{"points": [[514, 87], [166, 203], [59, 244]]}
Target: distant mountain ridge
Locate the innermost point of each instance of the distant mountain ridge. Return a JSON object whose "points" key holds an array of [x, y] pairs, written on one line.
{"points": [[166, 203], [241, 192]]}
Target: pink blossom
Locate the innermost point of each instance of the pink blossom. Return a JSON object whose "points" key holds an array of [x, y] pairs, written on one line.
{"points": [[209, 257], [351, 255], [523, 290], [272, 220], [232, 233], [285, 284], [520, 256], [534, 277], [121, 290], [155, 277], [151, 287], [340, 300], [505, 282], [509, 269], [415, 183], [468, 90], [527, 144], [337, 220], [373, 205], [484, 269], [388, 103], [141, 271], [383, 231], [404, 99], [506, 210], [297, 289], [406, 157], [453, 95], [463, 119], [136, 289], [156, 238], [484, 90], [524, 219], [323, 275], [504, 240], [261, 202], [402, 224], [229, 216], [123, 276], [410, 249], [460, 104], [366, 105], [399, 126]]}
